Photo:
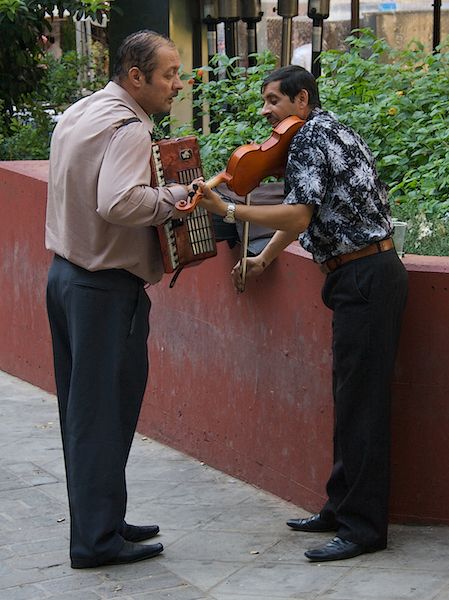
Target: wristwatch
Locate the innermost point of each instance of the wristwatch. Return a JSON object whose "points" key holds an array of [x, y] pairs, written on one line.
{"points": [[230, 214]]}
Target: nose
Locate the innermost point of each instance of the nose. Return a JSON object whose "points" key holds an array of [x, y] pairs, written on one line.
{"points": [[178, 83], [264, 110]]}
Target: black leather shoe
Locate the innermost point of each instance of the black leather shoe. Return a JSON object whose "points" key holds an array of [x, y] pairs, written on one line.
{"points": [[137, 533], [130, 553], [336, 549], [312, 524]]}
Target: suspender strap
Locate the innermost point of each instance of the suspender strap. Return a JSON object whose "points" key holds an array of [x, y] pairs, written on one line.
{"points": [[124, 122]]}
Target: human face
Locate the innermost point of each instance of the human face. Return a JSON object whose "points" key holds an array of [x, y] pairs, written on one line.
{"points": [[278, 106], [156, 96]]}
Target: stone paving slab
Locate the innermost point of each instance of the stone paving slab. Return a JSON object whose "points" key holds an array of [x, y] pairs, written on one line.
{"points": [[223, 539]]}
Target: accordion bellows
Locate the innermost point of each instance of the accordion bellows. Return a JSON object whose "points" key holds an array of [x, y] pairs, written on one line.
{"points": [[190, 239]]}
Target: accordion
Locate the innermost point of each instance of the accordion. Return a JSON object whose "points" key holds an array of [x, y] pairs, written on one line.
{"points": [[190, 239]]}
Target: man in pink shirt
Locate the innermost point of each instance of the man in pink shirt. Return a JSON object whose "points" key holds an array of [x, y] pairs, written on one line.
{"points": [[100, 216]]}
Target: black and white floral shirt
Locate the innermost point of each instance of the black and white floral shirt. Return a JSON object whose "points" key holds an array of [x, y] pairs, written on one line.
{"points": [[330, 166]]}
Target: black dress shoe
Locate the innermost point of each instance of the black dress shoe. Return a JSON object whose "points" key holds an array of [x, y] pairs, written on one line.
{"points": [[336, 549], [130, 553], [315, 523], [137, 533]]}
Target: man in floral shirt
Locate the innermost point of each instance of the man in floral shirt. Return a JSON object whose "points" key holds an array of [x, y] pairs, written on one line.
{"points": [[336, 204]]}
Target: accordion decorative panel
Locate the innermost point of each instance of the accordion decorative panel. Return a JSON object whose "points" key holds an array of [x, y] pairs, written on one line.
{"points": [[191, 239]]}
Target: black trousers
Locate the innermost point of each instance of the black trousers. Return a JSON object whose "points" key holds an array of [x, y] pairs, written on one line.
{"points": [[99, 326], [367, 297]]}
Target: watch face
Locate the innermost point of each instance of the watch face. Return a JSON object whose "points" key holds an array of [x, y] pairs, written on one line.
{"points": [[230, 214]]}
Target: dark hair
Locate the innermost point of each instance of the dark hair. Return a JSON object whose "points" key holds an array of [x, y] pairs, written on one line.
{"points": [[139, 50], [293, 79]]}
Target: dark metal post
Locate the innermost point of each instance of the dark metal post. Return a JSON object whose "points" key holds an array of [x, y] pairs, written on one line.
{"points": [[317, 46], [251, 14], [229, 13], [318, 10], [209, 13], [436, 24], [355, 15], [287, 9], [210, 18]]}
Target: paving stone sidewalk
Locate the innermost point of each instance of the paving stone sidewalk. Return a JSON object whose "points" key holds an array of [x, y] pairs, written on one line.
{"points": [[224, 539]]}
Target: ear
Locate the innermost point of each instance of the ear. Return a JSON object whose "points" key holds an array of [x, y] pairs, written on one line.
{"points": [[302, 99], [135, 77]]}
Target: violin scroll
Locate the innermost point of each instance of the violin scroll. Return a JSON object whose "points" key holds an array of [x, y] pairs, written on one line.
{"points": [[189, 204]]}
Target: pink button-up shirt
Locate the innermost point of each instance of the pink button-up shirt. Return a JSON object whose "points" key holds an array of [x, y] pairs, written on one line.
{"points": [[101, 209]]}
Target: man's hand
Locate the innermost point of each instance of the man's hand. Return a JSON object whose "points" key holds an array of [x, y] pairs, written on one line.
{"points": [[194, 186], [180, 214], [209, 199], [255, 266]]}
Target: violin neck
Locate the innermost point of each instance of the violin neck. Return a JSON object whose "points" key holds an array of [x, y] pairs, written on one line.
{"points": [[190, 203], [216, 180]]}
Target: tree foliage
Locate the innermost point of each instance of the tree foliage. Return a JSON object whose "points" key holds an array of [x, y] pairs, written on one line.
{"points": [[398, 100], [22, 25], [26, 134]]}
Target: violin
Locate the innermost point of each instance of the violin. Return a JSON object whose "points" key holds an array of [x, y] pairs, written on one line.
{"points": [[251, 163]]}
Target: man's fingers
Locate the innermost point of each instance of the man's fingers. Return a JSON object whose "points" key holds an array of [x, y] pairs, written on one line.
{"points": [[236, 276]]}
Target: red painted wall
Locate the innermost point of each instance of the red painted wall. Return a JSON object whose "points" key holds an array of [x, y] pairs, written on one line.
{"points": [[242, 382], [25, 349]]}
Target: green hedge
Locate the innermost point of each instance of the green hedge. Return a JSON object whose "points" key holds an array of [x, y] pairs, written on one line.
{"points": [[397, 101]]}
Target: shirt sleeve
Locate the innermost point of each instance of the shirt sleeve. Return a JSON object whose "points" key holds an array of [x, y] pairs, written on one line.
{"points": [[124, 194], [306, 173]]}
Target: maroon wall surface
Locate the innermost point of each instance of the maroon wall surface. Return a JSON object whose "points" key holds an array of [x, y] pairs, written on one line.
{"points": [[25, 348], [242, 382]]}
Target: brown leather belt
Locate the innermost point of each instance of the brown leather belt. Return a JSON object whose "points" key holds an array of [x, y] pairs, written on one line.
{"points": [[333, 263]]}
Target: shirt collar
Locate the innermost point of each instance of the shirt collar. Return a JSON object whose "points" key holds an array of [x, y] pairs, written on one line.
{"points": [[314, 113]]}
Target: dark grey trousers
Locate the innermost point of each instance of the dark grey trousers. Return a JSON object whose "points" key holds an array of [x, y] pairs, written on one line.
{"points": [[99, 326], [367, 297]]}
